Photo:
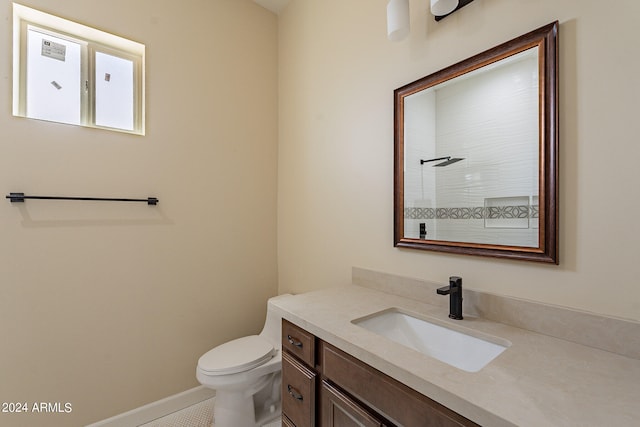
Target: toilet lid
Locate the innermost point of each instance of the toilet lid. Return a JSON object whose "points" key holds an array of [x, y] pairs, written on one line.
{"points": [[236, 356]]}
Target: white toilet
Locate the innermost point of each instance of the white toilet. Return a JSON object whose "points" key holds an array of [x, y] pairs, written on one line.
{"points": [[246, 374]]}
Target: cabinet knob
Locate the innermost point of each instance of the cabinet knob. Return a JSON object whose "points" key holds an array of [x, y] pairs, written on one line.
{"points": [[294, 342], [293, 393]]}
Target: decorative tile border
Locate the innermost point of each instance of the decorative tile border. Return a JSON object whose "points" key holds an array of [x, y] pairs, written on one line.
{"points": [[492, 212]]}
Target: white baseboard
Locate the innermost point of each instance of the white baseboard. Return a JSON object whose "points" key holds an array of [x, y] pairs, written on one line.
{"points": [[153, 411]]}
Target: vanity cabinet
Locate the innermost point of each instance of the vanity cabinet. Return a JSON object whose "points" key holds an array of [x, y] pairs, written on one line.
{"points": [[324, 386]]}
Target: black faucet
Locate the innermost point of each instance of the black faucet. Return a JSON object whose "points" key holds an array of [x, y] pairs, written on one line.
{"points": [[454, 290]]}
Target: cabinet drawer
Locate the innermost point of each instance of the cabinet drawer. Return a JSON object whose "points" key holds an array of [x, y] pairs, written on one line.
{"points": [[299, 342], [298, 392], [384, 395]]}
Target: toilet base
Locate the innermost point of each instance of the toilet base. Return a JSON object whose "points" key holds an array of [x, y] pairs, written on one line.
{"points": [[234, 411], [233, 408], [254, 407]]}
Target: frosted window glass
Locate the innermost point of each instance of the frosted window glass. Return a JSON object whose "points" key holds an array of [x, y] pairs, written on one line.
{"points": [[114, 92], [53, 78]]}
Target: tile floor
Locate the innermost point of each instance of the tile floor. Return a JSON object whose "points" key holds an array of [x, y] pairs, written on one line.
{"points": [[198, 415]]}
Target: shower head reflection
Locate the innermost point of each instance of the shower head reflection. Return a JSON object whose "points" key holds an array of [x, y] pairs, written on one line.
{"points": [[447, 161]]}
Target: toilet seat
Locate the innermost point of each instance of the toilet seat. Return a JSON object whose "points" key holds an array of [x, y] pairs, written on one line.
{"points": [[235, 356]]}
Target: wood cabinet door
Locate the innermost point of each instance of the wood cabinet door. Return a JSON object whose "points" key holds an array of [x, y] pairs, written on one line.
{"points": [[338, 410], [298, 392], [385, 396]]}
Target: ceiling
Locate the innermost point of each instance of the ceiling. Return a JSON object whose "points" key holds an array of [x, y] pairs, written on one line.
{"points": [[275, 6]]}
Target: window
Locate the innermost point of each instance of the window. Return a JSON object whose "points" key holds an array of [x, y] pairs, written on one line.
{"points": [[69, 73]]}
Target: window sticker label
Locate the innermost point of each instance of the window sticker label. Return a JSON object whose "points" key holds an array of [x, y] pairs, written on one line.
{"points": [[54, 50]]}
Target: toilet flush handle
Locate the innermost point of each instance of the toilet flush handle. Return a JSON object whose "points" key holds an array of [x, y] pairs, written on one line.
{"points": [[294, 342]]}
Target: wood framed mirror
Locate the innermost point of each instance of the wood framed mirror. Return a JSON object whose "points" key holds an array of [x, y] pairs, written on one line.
{"points": [[476, 154]]}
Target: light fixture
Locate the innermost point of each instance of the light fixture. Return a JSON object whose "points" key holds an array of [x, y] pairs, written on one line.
{"points": [[398, 22], [397, 19], [443, 7]]}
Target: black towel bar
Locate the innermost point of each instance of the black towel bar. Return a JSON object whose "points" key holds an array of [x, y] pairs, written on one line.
{"points": [[20, 197]]}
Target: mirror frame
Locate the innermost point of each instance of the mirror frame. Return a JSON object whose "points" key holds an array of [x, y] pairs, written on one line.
{"points": [[546, 39]]}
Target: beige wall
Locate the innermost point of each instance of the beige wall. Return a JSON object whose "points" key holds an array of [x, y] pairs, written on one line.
{"points": [[109, 306], [337, 76]]}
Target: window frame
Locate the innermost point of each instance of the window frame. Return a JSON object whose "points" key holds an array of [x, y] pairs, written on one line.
{"points": [[91, 41]]}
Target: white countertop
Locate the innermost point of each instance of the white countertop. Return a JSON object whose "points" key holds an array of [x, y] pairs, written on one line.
{"points": [[538, 381]]}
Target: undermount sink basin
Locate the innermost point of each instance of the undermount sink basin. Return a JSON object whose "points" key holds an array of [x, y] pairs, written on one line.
{"points": [[459, 349]]}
